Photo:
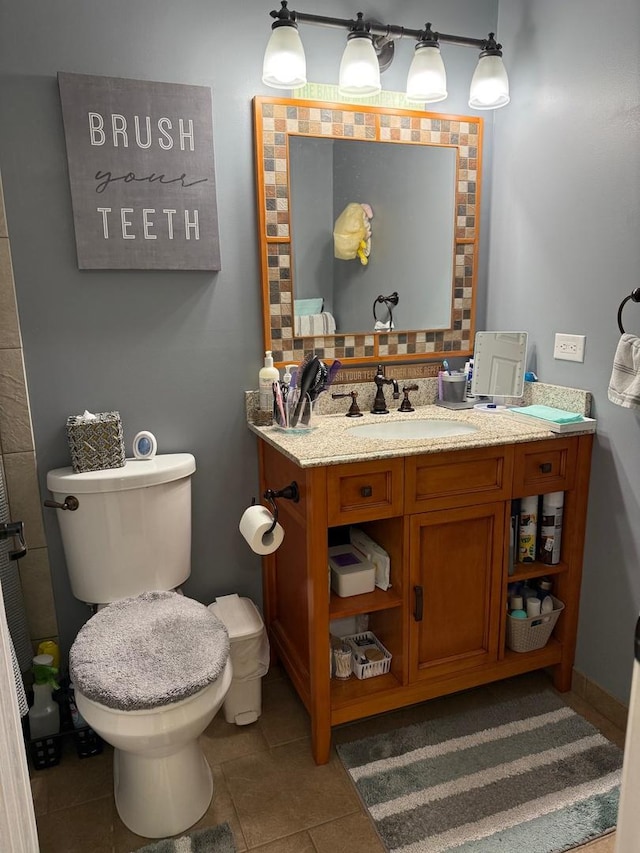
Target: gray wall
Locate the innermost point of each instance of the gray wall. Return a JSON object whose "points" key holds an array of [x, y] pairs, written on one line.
{"points": [[412, 191], [311, 199], [564, 252], [172, 351]]}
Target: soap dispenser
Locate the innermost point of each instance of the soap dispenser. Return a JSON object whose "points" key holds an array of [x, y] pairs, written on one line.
{"points": [[266, 377]]}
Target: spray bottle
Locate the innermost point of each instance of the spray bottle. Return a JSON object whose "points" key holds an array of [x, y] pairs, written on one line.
{"points": [[44, 714]]}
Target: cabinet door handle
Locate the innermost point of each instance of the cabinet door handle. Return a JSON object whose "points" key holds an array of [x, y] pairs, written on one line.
{"points": [[417, 613], [366, 491], [545, 468]]}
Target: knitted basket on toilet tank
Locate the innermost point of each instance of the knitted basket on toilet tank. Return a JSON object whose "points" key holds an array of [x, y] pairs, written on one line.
{"points": [[95, 443]]}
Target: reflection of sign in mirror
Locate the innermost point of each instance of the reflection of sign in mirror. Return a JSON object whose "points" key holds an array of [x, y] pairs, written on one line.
{"points": [[142, 173]]}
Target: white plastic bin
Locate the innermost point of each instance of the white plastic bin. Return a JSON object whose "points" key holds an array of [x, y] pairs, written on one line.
{"points": [[249, 657]]}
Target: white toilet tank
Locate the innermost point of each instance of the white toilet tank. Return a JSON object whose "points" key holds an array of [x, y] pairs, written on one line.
{"points": [[132, 529]]}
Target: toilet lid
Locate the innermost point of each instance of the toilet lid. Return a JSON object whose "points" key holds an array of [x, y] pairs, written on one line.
{"points": [[148, 651]]}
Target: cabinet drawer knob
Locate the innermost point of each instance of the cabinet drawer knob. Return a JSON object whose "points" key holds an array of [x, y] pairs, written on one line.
{"points": [[417, 613], [366, 491], [546, 467]]}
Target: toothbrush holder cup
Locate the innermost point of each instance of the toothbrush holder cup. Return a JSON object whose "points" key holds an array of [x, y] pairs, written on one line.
{"points": [[454, 386], [297, 415]]}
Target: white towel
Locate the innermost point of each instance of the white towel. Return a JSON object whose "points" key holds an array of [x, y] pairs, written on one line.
{"points": [[624, 385], [309, 325]]}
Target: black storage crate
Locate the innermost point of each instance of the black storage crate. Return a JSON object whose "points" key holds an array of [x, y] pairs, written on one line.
{"points": [[45, 752], [87, 742]]}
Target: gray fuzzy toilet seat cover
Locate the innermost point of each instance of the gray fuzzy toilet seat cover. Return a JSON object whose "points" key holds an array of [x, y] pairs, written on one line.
{"points": [[148, 651]]}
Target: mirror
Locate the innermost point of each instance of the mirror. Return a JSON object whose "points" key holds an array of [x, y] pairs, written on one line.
{"points": [[499, 360], [420, 173], [412, 229]]}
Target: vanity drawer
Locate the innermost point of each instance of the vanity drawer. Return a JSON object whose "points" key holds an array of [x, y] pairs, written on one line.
{"points": [[458, 478], [545, 466], [364, 491]]}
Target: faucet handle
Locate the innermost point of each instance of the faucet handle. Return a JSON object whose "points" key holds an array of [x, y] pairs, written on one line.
{"points": [[406, 406], [354, 411]]}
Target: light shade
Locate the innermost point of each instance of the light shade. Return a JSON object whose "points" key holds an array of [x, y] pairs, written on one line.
{"points": [[359, 68], [285, 65], [427, 78], [489, 85]]}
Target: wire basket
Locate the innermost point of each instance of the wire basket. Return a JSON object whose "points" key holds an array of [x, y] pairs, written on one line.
{"points": [[359, 644], [525, 635]]}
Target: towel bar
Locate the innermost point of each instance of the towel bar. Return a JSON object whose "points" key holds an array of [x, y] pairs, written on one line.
{"points": [[635, 296]]}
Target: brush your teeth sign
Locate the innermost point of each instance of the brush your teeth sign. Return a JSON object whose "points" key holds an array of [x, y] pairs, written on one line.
{"points": [[141, 170]]}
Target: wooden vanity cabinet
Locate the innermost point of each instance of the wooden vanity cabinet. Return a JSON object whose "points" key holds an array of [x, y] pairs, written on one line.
{"points": [[444, 519]]}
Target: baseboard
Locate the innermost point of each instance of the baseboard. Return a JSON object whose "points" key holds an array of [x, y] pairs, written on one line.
{"points": [[603, 702]]}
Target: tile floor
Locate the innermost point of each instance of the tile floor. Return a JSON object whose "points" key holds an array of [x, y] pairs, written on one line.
{"points": [[267, 786]]}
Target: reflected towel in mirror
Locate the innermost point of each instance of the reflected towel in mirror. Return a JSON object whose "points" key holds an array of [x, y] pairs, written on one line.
{"points": [[314, 324], [352, 233], [302, 307]]}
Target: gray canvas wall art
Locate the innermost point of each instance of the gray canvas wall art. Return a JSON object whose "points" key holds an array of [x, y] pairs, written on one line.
{"points": [[141, 169]]}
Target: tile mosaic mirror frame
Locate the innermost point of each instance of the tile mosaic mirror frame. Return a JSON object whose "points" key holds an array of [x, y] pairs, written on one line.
{"points": [[276, 120]]}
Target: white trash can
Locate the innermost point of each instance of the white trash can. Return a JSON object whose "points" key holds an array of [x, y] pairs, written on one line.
{"points": [[249, 657]]}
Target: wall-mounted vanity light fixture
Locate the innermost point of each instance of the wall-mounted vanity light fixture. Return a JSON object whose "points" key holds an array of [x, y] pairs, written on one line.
{"points": [[370, 47]]}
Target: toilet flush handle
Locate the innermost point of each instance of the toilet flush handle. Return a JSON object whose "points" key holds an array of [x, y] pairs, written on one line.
{"points": [[70, 502]]}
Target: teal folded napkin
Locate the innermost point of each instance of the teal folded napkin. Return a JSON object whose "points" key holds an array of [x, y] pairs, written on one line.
{"points": [[304, 307], [548, 413]]}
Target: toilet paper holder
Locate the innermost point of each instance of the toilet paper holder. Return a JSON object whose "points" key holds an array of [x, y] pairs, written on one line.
{"points": [[290, 493]]}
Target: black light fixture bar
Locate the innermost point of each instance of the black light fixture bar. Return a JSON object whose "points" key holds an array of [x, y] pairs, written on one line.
{"points": [[391, 31], [369, 50]]}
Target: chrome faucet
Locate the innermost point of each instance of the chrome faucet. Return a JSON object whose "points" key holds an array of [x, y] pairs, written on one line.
{"points": [[379, 403]]}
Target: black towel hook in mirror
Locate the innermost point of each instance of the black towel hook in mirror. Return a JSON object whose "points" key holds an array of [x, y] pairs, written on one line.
{"points": [[290, 493], [635, 297], [387, 301]]}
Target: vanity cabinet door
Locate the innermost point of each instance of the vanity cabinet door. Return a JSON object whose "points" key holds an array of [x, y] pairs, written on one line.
{"points": [[456, 559]]}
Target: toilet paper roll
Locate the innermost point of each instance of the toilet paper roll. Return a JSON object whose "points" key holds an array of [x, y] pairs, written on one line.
{"points": [[254, 524]]}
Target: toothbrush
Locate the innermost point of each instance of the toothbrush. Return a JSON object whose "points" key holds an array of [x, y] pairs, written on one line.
{"points": [[445, 364], [277, 393]]}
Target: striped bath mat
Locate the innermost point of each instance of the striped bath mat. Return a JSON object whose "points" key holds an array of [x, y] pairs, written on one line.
{"points": [[213, 839], [526, 774]]}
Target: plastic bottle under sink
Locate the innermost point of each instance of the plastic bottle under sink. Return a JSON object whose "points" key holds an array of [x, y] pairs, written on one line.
{"points": [[44, 714]]}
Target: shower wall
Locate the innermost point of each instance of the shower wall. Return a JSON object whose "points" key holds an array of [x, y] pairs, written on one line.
{"points": [[17, 456]]}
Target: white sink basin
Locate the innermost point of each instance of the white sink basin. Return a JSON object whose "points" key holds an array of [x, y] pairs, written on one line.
{"points": [[424, 428]]}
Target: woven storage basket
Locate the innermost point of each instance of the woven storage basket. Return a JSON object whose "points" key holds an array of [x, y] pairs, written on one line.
{"points": [[97, 443], [359, 643], [525, 635]]}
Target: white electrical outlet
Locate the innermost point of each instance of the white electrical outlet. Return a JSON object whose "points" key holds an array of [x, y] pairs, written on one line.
{"points": [[569, 347]]}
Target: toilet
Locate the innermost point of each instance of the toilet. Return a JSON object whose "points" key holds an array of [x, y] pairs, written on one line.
{"points": [[151, 668]]}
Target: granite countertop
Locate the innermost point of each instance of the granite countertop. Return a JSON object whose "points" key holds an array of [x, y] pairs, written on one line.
{"points": [[330, 442]]}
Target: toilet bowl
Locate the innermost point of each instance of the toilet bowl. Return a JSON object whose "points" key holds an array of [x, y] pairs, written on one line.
{"points": [[162, 782], [150, 673], [151, 668]]}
